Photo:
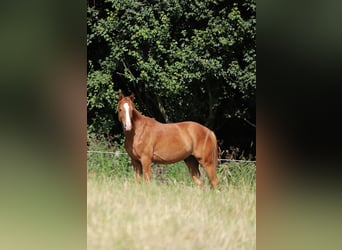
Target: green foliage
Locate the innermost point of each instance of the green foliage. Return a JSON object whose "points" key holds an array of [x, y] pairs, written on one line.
{"points": [[183, 59], [99, 162]]}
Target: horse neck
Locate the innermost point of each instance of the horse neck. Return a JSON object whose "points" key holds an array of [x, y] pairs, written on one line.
{"points": [[137, 117]]}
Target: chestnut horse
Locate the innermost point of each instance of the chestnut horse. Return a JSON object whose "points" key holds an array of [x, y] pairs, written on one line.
{"points": [[147, 141]]}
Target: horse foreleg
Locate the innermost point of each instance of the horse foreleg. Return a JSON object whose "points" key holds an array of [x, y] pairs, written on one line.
{"points": [[147, 169], [138, 171]]}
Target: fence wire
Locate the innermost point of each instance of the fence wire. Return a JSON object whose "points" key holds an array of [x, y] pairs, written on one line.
{"points": [[117, 153]]}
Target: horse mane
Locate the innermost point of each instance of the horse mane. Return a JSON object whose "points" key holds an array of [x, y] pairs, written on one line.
{"points": [[137, 116]]}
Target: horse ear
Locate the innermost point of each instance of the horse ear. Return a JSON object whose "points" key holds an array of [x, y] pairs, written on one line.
{"points": [[132, 96], [121, 96]]}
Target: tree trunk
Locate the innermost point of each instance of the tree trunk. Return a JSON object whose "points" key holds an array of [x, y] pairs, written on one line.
{"points": [[211, 107], [162, 109]]}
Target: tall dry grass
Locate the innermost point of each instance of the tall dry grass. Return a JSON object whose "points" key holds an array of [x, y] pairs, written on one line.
{"points": [[123, 214]]}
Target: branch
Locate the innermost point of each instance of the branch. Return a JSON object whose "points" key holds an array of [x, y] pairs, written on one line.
{"points": [[249, 123], [128, 70]]}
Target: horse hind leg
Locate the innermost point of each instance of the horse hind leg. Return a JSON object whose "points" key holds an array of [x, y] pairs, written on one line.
{"points": [[193, 166], [211, 172], [210, 168], [209, 159]]}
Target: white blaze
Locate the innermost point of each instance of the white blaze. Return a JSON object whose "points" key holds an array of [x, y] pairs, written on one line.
{"points": [[128, 124]]}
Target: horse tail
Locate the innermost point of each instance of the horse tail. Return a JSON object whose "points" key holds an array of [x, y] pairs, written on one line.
{"points": [[214, 149]]}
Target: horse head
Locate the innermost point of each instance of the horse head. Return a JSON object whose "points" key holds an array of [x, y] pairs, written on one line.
{"points": [[125, 111]]}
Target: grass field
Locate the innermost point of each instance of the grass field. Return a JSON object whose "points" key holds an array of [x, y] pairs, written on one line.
{"points": [[171, 212]]}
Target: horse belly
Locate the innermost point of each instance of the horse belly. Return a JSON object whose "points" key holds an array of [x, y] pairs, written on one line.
{"points": [[172, 151], [169, 157]]}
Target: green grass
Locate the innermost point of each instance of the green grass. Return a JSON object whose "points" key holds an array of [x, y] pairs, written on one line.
{"points": [[170, 212]]}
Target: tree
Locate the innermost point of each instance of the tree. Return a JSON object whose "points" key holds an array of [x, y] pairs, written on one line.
{"points": [[185, 60]]}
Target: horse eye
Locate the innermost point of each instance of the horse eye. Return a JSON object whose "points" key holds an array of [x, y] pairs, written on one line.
{"points": [[120, 110]]}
